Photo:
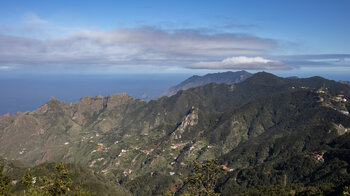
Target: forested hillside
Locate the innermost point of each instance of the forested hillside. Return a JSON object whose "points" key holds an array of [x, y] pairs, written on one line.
{"points": [[266, 132]]}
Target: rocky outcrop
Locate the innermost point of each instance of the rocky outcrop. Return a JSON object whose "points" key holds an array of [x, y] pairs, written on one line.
{"points": [[190, 120], [40, 134], [115, 100]]}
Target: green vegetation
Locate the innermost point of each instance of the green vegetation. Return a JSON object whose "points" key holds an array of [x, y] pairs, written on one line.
{"points": [[5, 181], [204, 179], [277, 190], [54, 184], [60, 179], [153, 184], [346, 190], [272, 134]]}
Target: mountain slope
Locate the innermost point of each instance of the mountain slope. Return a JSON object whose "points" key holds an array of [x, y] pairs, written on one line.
{"points": [[85, 177], [258, 123], [219, 78]]}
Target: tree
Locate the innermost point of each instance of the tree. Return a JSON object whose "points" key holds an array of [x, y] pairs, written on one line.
{"points": [[61, 181], [5, 183], [346, 190], [204, 178], [78, 191], [57, 183], [29, 181]]}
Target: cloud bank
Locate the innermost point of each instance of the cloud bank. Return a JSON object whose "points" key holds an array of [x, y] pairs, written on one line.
{"points": [[96, 49], [242, 62], [37, 44]]}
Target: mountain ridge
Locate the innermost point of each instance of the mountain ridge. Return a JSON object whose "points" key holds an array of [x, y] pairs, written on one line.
{"points": [[195, 81], [127, 139]]}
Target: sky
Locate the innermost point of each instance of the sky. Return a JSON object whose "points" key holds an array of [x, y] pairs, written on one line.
{"points": [[174, 36]]}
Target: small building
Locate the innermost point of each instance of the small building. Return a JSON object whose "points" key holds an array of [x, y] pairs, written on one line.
{"points": [[174, 146], [345, 112], [338, 98], [318, 157], [226, 168]]}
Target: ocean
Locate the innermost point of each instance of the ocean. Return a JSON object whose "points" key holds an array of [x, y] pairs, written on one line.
{"points": [[20, 93]]}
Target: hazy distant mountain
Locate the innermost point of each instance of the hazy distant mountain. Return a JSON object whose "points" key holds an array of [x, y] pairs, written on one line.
{"points": [[344, 82], [219, 78], [293, 77], [269, 130]]}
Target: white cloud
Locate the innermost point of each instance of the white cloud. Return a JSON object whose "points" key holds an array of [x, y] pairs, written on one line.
{"points": [[245, 60], [241, 62], [5, 67], [128, 46], [35, 43], [33, 19]]}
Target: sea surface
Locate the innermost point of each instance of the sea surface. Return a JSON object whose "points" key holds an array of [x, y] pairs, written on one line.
{"points": [[20, 93]]}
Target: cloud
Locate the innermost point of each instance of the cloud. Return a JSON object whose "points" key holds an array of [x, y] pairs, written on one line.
{"points": [[38, 44], [33, 19], [242, 62], [31, 25], [96, 49], [5, 67], [316, 56], [316, 60]]}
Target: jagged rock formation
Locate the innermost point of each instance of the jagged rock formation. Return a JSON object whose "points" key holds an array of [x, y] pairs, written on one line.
{"points": [[190, 120]]}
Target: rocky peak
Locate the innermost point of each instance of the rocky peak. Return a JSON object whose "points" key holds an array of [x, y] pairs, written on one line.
{"points": [[8, 115], [190, 120], [43, 109], [115, 100], [53, 99]]}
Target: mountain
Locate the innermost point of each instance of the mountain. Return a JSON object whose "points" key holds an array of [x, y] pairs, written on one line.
{"points": [[344, 82], [267, 130], [287, 153], [219, 78]]}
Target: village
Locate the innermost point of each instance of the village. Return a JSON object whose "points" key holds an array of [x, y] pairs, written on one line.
{"points": [[130, 155], [338, 102]]}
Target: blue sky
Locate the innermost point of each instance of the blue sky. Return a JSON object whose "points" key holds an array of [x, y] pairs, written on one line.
{"points": [[174, 36]]}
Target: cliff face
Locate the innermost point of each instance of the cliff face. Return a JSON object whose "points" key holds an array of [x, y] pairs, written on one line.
{"points": [[188, 123]]}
